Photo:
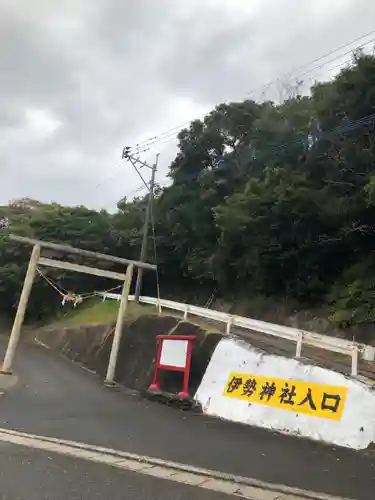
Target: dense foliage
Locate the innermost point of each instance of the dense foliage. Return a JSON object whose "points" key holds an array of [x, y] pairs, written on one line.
{"points": [[277, 199]]}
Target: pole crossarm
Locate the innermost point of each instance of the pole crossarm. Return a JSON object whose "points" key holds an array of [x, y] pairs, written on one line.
{"points": [[69, 266], [128, 156], [78, 251]]}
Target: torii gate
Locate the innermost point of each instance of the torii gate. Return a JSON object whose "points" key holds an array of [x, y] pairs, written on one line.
{"points": [[36, 259]]}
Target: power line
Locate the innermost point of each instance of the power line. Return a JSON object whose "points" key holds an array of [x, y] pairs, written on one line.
{"points": [[161, 142], [348, 61], [334, 50], [225, 163], [279, 148], [109, 177], [167, 132], [170, 134], [136, 190], [335, 58], [341, 130], [345, 63], [130, 194]]}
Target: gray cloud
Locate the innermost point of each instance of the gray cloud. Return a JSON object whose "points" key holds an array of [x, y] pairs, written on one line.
{"points": [[81, 79]]}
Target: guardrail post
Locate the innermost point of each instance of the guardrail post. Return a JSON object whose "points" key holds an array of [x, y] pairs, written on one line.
{"points": [[341, 346], [158, 305], [229, 325], [354, 361], [299, 344]]}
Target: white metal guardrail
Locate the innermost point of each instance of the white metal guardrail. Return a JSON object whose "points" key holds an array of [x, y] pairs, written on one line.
{"points": [[342, 346]]}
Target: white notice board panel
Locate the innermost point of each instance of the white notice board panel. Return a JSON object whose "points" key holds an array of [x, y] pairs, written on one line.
{"points": [[174, 353]]}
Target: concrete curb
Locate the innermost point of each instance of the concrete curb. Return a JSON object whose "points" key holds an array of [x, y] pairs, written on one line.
{"points": [[282, 492]]}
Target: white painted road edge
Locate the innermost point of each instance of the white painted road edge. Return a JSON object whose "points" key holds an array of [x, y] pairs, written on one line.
{"points": [[247, 488]]}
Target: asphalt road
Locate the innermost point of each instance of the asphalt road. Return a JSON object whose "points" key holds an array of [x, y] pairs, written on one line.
{"points": [[56, 398], [34, 475]]}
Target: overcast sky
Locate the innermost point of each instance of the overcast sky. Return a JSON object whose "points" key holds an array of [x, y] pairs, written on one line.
{"points": [[80, 79]]}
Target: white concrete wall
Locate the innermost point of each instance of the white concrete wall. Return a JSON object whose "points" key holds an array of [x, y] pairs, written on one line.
{"points": [[355, 429]]}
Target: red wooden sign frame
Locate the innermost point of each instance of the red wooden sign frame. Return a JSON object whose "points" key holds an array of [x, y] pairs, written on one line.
{"points": [[184, 393]]}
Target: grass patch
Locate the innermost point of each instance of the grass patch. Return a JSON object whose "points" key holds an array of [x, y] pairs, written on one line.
{"points": [[96, 311]]}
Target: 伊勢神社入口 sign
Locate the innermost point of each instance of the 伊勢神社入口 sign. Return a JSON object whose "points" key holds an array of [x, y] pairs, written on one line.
{"points": [[318, 400]]}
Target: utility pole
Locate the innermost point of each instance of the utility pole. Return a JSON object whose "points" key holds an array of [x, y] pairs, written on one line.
{"points": [[134, 161], [138, 284]]}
